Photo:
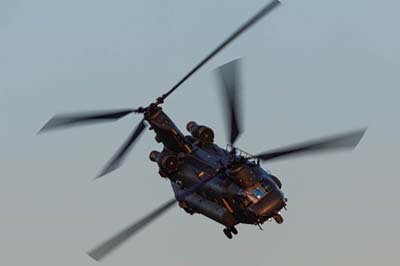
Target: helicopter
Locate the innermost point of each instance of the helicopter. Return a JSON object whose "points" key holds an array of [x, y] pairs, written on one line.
{"points": [[227, 185]]}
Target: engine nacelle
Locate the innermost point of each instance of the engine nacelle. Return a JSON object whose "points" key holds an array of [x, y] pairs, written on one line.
{"points": [[203, 134], [168, 162]]}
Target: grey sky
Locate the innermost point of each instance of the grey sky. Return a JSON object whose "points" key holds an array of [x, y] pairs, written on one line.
{"points": [[312, 68]]}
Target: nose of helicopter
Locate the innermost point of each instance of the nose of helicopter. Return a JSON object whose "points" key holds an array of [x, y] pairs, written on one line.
{"points": [[269, 205]]}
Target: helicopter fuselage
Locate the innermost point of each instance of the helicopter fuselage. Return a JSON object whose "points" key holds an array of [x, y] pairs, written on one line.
{"points": [[226, 185], [242, 193]]}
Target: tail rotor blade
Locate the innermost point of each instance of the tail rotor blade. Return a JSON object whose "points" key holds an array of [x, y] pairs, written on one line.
{"points": [[342, 141], [118, 158], [83, 118], [230, 87]]}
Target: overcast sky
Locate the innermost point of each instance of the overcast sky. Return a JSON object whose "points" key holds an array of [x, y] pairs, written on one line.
{"points": [[312, 68]]}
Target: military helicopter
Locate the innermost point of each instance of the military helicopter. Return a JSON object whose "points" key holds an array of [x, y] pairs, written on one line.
{"points": [[226, 185]]}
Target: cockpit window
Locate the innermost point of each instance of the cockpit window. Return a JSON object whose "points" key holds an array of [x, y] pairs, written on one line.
{"points": [[255, 194], [258, 193]]}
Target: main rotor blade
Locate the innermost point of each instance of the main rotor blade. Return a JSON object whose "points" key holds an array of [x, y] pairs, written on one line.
{"points": [[99, 252], [264, 11], [230, 86], [105, 248], [343, 141], [76, 119], [117, 159]]}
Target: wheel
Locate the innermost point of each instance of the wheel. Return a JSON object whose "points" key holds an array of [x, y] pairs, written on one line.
{"points": [[278, 218], [228, 233], [233, 230]]}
